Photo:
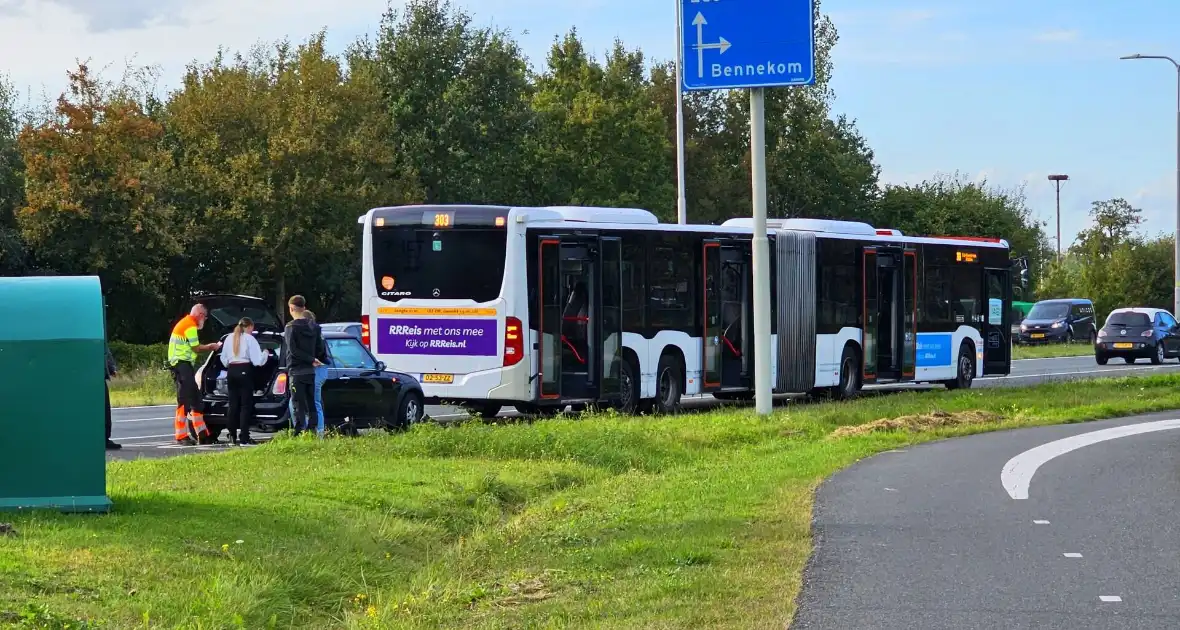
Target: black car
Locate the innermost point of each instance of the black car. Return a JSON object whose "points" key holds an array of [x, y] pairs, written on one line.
{"points": [[1138, 333], [358, 393], [1062, 321], [352, 328]]}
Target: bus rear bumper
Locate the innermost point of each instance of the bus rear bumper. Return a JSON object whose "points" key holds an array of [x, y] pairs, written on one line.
{"points": [[505, 385]]}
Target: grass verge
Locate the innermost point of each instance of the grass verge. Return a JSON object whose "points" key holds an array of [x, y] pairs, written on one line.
{"points": [[1053, 351], [143, 387], [682, 522]]}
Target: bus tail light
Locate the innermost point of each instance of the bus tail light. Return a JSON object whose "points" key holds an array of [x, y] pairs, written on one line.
{"points": [[365, 332], [513, 341], [280, 386]]}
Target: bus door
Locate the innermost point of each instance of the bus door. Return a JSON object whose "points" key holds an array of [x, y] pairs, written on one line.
{"points": [[580, 328], [890, 321], [997, 328], [728, 315]]}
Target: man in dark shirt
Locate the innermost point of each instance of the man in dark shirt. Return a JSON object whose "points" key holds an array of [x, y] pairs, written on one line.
{"points": [[304, 345]]}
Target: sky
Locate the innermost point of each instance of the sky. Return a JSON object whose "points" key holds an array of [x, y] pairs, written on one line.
{"points": [[1003, 91]]}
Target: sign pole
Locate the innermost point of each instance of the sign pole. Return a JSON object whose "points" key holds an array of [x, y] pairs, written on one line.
{"points": [[763, 394], [681, 196]]}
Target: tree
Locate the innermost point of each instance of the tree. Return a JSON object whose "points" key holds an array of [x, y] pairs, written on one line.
{"points": [[458, 103], [278, 154], [93, 207], [816, 166], [12, 185], [599, 139], [952, 205], [1115, 220]]}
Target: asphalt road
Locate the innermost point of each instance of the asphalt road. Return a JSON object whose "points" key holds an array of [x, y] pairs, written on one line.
{"points": [[147, 431], [938, 536]]}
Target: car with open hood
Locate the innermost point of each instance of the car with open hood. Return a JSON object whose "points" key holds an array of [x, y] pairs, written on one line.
{"points": [[1138, 333], [360, 392]]}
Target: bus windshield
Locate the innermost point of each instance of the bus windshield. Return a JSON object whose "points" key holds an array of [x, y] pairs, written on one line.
{"points": [[458, 263]]}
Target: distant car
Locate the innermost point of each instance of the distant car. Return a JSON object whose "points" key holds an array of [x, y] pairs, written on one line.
{"points": [[350, 328], [359, 391], [1138, 333], [1061, 321]]}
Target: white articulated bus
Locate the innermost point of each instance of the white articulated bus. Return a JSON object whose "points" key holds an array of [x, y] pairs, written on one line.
{"points": [[543, 308]]}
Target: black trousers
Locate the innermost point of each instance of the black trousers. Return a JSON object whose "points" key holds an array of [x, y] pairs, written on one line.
{"points": [[303, 393], [240, 379], [107, 386], [184, 376]]}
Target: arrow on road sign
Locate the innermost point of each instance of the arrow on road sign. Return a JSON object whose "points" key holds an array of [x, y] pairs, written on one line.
{"points": [[722, 44]]}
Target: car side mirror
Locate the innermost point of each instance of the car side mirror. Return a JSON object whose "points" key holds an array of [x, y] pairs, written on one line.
{"points": [[380, 366]]}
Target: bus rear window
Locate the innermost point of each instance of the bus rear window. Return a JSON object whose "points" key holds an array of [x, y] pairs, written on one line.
{"points": [[453, 264]]}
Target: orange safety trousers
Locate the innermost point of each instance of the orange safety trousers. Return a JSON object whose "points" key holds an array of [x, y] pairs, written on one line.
{"points": [[181, 424]]}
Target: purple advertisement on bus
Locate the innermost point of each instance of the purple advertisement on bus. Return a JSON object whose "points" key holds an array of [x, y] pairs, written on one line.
{"points": [[447, 337]]}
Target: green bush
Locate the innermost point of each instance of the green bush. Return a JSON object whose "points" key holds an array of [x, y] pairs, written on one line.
{"points": [[135, 358]]}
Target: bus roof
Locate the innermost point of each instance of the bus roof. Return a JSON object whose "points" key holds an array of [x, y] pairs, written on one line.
{"points": [[590, 217]]}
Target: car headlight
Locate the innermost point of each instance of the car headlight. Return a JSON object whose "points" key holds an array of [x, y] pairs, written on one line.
{"points": [[1102, 333], [1023, 327], [1058, 324], [1148, 333]]}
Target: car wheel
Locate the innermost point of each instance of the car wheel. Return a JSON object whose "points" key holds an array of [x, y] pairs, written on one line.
{"points": [[965, 372], [668, 386], [1158, 357], [409, 411], [1101, 359]]}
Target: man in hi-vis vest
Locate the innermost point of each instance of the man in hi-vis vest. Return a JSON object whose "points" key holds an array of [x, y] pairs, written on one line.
{"points": [[183, 347]]}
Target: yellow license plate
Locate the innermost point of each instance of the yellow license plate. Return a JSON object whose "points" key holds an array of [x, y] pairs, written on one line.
{"points": [[1038, 335], [438, 378], [1124, 346]]}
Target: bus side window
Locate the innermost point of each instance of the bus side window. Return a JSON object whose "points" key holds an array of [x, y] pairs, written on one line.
{"points": [[634, 285]]}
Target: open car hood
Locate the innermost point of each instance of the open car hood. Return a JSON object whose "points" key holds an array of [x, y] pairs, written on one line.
{"points": [[226, 310]]}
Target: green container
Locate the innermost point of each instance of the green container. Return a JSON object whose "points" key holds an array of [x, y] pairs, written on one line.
{"points": [[52, 382]]}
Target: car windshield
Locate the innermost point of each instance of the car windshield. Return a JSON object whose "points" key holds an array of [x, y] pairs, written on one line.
{"points": [[1049, 310], [349, 354], [1129, 320]]}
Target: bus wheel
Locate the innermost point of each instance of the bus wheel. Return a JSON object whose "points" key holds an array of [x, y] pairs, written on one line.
{"points": [[668, 386], [849, 375], [965, 370], [629, 386]]}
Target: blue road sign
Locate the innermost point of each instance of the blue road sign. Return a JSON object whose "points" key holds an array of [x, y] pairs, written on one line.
{"points": [[730, 44]]}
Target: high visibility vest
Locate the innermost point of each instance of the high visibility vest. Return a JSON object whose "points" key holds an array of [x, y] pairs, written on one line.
{"points": [[183, 342]]}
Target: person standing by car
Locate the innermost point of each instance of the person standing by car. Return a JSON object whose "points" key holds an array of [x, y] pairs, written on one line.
{"points": [[183, 346], [304, 345], [240, 358], [111, 370], [321, 373]]}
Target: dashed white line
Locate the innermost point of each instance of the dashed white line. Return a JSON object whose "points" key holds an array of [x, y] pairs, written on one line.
{"points": [[1040, 522], [1110, 598], [1072, 555], [1017, 474]]}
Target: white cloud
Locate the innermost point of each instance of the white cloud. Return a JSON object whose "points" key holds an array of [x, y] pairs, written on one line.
{"points": [[165, 33]]}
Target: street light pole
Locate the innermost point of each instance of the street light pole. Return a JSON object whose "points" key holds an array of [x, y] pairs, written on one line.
{"points": [[1057, 179], [1176, 244]]}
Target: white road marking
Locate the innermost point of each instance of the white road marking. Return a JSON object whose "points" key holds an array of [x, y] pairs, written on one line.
{"points": [[1100, 373], [1072, 555], [1110, 598], [1040, 522], [890, 489], [141, 420], [148, 407], [1017, 474]]}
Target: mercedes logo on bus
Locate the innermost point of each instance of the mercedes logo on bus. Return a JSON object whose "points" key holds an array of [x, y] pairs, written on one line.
{"points": [[436, 293]]}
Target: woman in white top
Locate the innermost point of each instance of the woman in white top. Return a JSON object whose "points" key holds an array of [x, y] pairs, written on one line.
{"points": [[240, 356]]}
